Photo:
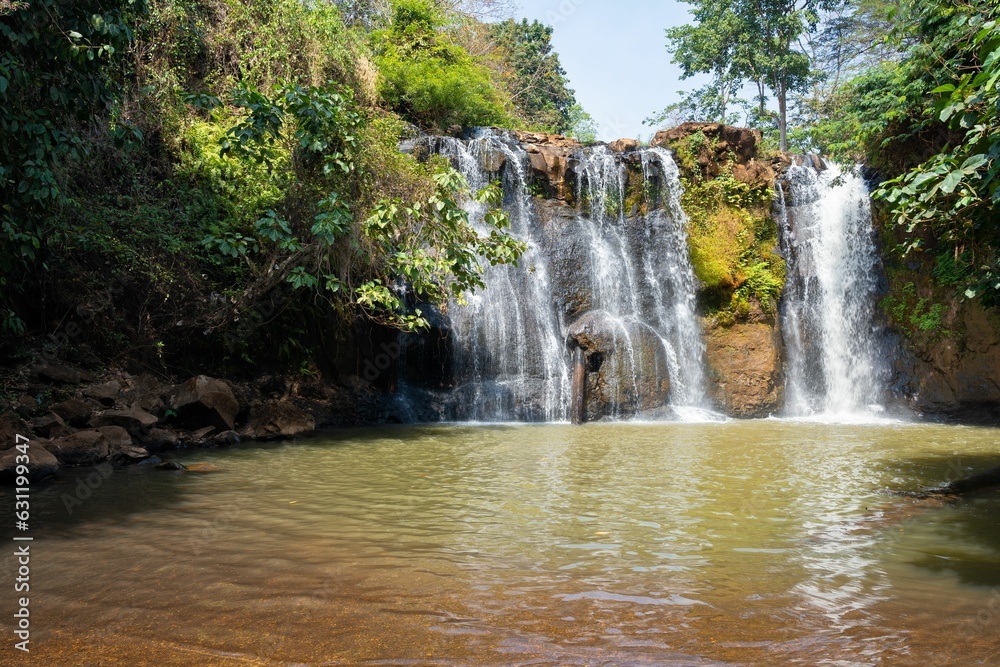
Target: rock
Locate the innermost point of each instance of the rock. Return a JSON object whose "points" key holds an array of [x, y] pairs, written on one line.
{"points": [[625, 145], [62, 374], [277, 419], [745, 369], [203, 401], [724, 144], [146, 393], [158, 440], [170, 465], [228, 438], [136, 422], [203, 467], [551, 158], [106, 393], [118, 438], [51, 426], [25, 405], [754, 173], [626, 365], [151, 461], [41, 463], [82, 448], [129, 455], [74, 411], [84, 356], [11, 426]]}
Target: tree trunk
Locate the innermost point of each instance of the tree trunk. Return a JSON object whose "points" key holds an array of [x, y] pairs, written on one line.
{"points": [[783, 119]]}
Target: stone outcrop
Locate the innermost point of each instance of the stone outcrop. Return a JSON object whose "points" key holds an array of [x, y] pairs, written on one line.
{"points": [[957, 374], [80, 448], [275, 419], [745, 369], [551, 158], [626, 366], [724, 144], [203, 400]]}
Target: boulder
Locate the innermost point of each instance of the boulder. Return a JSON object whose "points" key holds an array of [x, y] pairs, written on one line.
{"points": [[136, 422], [11, 426], [106, 393], [626, 365], [277, 419], [25, 405], [745, 369], [722, 140], [50, 426], [62, 374], [41, 462], [625, 145], [129, 455], [74, 411], [551, 158], [204, 401], [81, 448], [118, 438], [159, 440], [146, 393]]}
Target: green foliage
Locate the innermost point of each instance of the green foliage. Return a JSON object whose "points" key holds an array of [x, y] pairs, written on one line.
{"points": [[917, 316], [430, 79], [952, 196], [539, 86], [55, 77], [733, 242]]}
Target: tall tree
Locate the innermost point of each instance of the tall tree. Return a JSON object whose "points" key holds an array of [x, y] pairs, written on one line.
{"points": [[749, 41]]}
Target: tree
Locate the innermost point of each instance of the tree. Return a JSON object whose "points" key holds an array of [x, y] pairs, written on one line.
{"points": [[747, 41], [538, 82], [55, 63]]}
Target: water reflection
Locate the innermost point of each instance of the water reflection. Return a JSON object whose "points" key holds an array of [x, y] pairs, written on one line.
{"points": [[741, 543]]}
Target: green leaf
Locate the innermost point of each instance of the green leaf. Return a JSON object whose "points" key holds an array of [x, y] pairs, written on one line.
{"points": [[951, 181]]}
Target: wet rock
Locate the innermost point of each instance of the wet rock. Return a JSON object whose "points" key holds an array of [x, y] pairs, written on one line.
{"points": [[151, 461], [62, 374], [41, 463], [82, 448], [50, 426], [170, 465], [203, 468], [626, 365], [277, 419], [226, 439], [745, 369], [203, 401], [106, 393], [74, 411], [551, 157], [159, 440], [129, 455], [137, 422]]}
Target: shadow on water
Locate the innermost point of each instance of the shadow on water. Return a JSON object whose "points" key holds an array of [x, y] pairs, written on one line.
{"points": [[76, 499], [968, 544]]}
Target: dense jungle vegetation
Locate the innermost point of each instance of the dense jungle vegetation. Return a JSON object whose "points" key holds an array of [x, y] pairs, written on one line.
{"points": [[180, 177]]}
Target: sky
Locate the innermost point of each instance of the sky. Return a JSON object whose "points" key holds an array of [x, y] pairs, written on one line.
{"points": [[614, 53]]}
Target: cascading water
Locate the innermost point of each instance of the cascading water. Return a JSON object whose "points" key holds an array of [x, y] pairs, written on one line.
{"points": [[509, 350], [828, 313], [510, 360]]}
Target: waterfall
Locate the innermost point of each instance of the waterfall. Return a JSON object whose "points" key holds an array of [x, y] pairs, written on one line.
{"points": [[510, 358], [828, 312], [630, 269]]}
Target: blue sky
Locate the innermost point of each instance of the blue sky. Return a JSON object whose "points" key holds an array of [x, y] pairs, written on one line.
{"points": [[614, 52]]}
